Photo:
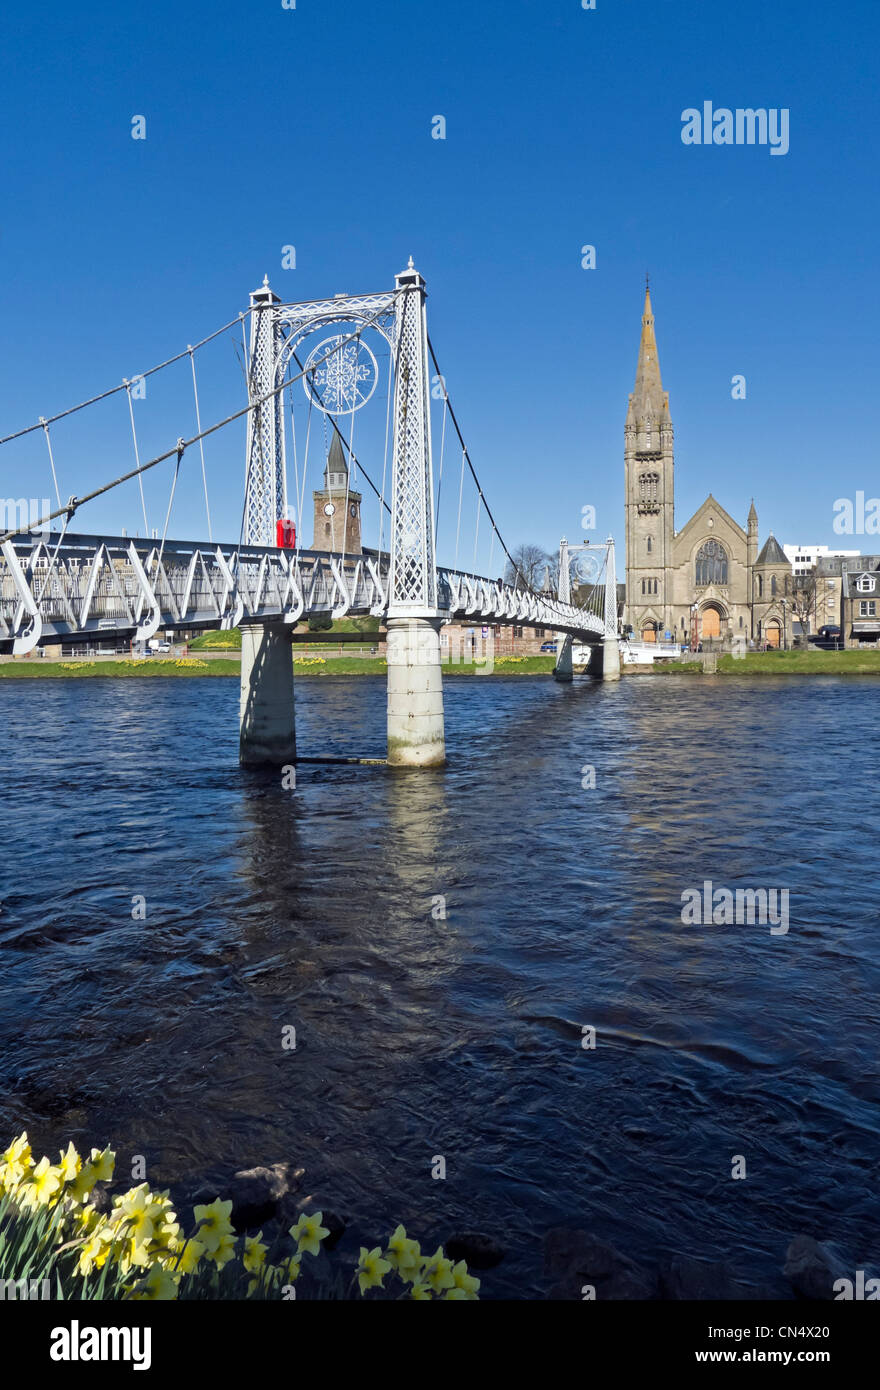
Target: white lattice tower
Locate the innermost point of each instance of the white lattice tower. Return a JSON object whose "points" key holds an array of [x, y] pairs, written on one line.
{"points": [[413, 583], [610, 592], [266, 481]]}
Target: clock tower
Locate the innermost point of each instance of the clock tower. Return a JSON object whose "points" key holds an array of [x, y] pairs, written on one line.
{"points": [[337, 524]]}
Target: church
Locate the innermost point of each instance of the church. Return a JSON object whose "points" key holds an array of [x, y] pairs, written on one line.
{"points": [[707, 582]]}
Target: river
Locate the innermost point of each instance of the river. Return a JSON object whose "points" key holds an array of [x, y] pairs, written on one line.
{"points": [[420, 1036]]}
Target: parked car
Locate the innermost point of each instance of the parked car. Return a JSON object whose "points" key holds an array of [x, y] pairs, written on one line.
{"points": [[163, 648], [548, 646], [828, 638]]}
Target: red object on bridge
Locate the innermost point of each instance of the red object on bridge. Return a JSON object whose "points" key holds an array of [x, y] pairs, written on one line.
{"points": [[285, 532]]}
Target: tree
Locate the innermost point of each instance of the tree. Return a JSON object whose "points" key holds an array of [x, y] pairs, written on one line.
{"points": [[805, 592], [530, 562]]}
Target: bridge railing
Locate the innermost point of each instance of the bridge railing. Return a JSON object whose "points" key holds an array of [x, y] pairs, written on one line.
{"points": [[133, 587]]}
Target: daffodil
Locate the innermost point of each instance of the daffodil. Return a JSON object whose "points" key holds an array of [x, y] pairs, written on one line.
{"points": [[94, 1253], [15, 1162], [292, 1268], [371, 1269], [103, 1161], [404, 1254], [42, 1184], [308, 1233], [70, 1163], [421, 1293], [437, 1271], [157, 1285], [213, 1223], [462, 1280], [454, 1296], [190, 1256], [254, 1256], [224, 1249]]}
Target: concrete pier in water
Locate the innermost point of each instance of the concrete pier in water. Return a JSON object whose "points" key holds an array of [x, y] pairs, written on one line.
{"points": [[415, 693], [267, 736]]}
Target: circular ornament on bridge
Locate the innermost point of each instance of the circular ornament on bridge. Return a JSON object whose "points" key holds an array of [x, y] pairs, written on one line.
{"points": [[345, 381], [587, 568]]}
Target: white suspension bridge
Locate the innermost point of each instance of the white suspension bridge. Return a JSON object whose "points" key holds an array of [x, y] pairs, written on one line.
{"points": [[61, 584]]}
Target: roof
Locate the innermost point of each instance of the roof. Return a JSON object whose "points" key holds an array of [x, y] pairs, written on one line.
{"points": [[772, 554]]}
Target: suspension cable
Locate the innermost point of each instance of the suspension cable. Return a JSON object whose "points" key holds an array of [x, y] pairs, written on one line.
{"points": [[201, 442], [45, 425], [93, 400], [137, 459], [73, 503]]}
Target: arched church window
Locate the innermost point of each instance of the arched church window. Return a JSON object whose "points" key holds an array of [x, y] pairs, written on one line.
{"points": [[759, 586], [773, 586], [711, 567], [649, 487], [649, 545]]}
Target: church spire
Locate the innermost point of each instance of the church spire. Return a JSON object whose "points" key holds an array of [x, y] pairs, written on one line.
{"points": [[648, 400], [336, 468]]}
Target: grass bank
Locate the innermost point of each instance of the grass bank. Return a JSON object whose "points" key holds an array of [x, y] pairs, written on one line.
{"points": [[799, 663], [188, 667]]}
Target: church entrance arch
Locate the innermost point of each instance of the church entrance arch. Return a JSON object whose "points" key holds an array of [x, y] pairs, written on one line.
{"points": [[772, 633], [710, 623]]}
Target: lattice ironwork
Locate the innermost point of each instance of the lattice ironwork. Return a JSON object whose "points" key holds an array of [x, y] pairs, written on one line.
{"points": [[413, 567]]}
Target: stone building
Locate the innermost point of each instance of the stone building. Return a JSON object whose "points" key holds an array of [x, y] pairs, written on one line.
{"points": [[708, 581], [337, 519]]}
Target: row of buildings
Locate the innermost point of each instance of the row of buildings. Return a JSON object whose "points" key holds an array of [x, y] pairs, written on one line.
{"points": [[711, 582]]}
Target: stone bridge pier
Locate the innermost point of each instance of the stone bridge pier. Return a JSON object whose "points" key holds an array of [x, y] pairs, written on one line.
{"points": [[267, 726]]}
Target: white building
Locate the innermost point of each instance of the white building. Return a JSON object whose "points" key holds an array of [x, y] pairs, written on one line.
{"points": [[804, 557]]}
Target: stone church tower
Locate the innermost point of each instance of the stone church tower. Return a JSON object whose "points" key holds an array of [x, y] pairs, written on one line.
{"points": [[650, 488], [337, 521], [707, 581]]}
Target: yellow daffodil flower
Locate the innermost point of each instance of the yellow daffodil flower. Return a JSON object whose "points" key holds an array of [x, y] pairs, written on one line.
{"points": [[213, 1223], [70, 1163], [42, 1184], [308, 1233], [224, 1250], [254, 1256], [371, 1269], [158, 1285], [462, 1280], [189, 1259], [15, 1162], [404, 1254], [455, 1296], [103, 1161], [437, 1271], [421, 1293]]}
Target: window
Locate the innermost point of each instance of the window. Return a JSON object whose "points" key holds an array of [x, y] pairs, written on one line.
{"points": [[773, 586], [868, 608], [649, 544], [711, 563], [649, 487], [649, 586], [865, 583], [759, 586]]}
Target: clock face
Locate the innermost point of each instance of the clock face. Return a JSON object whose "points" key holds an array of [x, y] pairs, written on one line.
{"points": [[329, 509], [353, 511]]}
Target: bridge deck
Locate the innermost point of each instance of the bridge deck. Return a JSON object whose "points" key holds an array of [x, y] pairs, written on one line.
{"points": [[116, 586]]}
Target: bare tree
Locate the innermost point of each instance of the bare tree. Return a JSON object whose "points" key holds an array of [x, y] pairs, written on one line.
{"points": [[804, 593], [530, 563]]}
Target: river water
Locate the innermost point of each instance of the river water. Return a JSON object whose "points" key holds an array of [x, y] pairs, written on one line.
{"points": [[462, 1038]]}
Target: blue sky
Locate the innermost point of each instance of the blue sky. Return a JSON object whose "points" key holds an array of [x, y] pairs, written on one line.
{"points": [[312, 127]]}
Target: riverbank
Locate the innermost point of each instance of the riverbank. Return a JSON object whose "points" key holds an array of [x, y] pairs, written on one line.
{"points": [[796, 663], [30, 667]]}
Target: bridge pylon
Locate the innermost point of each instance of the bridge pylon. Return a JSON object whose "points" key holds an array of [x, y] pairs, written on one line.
{"points": [[563, 670], [415, 686]]}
